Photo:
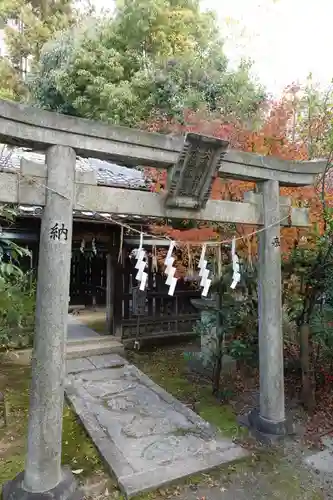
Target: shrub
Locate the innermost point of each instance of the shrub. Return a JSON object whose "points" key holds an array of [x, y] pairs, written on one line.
{"points": [[17, 312]]}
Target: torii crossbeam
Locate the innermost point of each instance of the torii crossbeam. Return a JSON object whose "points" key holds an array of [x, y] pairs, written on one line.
{"points": [[193, 164]]}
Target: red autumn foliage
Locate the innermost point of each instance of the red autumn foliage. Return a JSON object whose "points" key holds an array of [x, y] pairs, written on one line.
{"points": [[274, 137]]}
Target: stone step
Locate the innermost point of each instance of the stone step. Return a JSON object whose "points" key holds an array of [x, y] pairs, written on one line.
{"points": [[95, 347], [90, 340], [75, 349]]}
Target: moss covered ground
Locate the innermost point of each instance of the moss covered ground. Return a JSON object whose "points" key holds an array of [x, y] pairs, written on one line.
{"points": [[264, 474]]}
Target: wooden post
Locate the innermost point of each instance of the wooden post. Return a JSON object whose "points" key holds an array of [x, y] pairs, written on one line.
{"points": [[118, 283], [109, 293]]}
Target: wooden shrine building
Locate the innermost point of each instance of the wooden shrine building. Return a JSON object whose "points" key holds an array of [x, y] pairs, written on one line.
{"points": [[102, 272]]}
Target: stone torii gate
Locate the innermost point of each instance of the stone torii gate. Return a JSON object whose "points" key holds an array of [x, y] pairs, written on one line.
{"points": [[59, 189]]}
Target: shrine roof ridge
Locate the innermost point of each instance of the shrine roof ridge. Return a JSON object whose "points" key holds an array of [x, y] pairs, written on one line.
{"points": [[107, 174]]}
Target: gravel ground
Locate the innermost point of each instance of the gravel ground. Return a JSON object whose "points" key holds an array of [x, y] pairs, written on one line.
{"points": [[267, 474]]}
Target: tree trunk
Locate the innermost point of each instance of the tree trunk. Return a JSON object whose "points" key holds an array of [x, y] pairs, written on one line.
{"points": [[308, 396], [217, 376], [219, 346]]}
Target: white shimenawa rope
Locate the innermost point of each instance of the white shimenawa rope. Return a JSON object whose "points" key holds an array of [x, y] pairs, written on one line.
{"points": [[170, 270]]}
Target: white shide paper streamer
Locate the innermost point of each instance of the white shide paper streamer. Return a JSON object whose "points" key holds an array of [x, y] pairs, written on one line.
{"points": [[169, 253], [235, 266], [171, 281], [143, 281], [172, 286], [204, 272], [140, 265]]}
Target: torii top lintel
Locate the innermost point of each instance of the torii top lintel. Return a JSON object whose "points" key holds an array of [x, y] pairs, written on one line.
{"points": [[26, 126]]}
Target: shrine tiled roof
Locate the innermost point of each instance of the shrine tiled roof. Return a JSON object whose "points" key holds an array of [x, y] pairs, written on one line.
{"points": [[108, 174]]}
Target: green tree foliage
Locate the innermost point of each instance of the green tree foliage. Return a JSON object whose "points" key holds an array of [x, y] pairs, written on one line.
{"points": [[8, 268], [28, 25], [17, 293], [10, 85], [152, 57], [17, 312], [308, 278], [35, 23]]}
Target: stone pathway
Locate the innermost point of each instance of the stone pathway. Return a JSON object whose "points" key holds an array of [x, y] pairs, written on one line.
{"points": [[321, 463], [145, 435], [79, 331]]}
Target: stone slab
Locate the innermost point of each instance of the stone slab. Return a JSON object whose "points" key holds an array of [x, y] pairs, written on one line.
{"points": [[145, 435], [79, 365], [107, 361], [95, 362], [94, 347], [321, 461], [327, 441], [78, 330]]}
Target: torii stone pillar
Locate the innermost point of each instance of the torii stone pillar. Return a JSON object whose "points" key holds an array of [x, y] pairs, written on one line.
{"points": [[43, 476], [270, 309], [270, 420]]}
